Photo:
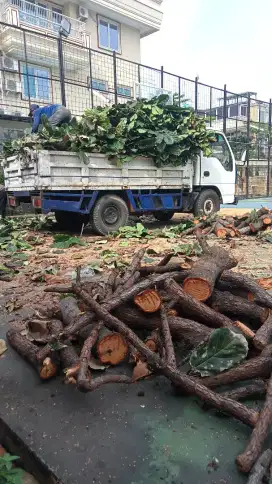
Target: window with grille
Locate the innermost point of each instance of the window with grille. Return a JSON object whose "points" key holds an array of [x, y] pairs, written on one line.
{"points": [[36, 82]]}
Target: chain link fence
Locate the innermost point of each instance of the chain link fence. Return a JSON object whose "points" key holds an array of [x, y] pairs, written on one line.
{"points": [[43, 69]]}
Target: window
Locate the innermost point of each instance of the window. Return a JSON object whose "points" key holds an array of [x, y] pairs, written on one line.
{"points": [[99, 85], [36, 82], [233, 111], [108, 34], [124, 91], [243, 110], [220, 113], [221, 151]]}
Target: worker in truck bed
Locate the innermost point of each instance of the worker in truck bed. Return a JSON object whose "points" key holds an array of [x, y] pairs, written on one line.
{"points": [[55, 113]]}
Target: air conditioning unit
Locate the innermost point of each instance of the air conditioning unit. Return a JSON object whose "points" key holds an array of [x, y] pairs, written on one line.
{"points": [[13, 86], [10, 64], [83, 13]]}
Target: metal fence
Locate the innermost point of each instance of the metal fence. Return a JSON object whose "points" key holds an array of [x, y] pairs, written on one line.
{"points": [[38, 68]]}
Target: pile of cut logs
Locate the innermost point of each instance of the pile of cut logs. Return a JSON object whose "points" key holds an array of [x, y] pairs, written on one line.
{"points": [[228, 227], [172, 304]]}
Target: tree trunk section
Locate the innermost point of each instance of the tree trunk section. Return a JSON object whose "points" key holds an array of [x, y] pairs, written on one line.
{"points": [[170, 357], [253, 450], [196, 309], [111, 347], [202, 277], [260, 468], [259, 367], [253, 389], [225, 302], [244, 282]]}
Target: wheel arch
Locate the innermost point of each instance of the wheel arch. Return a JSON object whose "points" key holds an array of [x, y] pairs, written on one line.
{"points": [[210, 187]]}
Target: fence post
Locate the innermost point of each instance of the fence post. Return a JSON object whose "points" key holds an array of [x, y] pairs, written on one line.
{"points": [[91, 76], [196, 94], [269, 149], [115, 77], [210, 106], [61, 69], [27, 75], [139, 73], [225, 110], [161, 77], [179, 92], [248, 145]]}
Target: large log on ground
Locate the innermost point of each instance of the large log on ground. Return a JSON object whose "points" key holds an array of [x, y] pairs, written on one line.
{"points": [[260, 468], [225, 302], [46, 369], [253, 450], [263, 335], [207, 269], [259, 367], [111, 347], [196, 309]]}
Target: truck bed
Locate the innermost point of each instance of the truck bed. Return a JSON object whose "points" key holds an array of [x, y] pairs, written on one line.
{"points": [[62, 170]]}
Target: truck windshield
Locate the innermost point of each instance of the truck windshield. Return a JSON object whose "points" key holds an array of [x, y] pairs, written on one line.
{"points": [[221, 151]]}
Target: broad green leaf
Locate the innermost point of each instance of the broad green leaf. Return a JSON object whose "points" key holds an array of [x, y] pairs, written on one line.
{"points": [[63, 241], [224, 349]]}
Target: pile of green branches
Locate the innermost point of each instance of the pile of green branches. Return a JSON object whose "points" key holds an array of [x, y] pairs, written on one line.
{"points": [[168, 133]]}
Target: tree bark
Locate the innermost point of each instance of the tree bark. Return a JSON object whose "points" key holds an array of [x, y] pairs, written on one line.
{"points": [[264, 334], [133, 267], [47, 369], [253, 450], [196, 309], [225, 302], [207, 269], [164, 261], [260, 468], [92, 385], [69, 310], [242, 281], [255, 367], [83, 378], [181, 329], [111, 347], [256, 388], [146, 270], [220, 231], [189, 384], [170, 357]]}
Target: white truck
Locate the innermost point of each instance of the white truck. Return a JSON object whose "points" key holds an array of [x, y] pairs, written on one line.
{"points": [[105, 194]]}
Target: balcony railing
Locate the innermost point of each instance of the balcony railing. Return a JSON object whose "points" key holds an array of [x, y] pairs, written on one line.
{"points": [[40, 18]]}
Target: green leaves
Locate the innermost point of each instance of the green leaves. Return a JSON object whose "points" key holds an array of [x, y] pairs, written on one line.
{"points": [[128, 232], [224, 349], [169, 134], [8, 473], [63, 241]]}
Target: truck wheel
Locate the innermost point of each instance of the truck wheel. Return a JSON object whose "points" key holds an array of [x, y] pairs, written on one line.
{"points": [[207, 203], [163, 215], [70, 220], [109, 214]]}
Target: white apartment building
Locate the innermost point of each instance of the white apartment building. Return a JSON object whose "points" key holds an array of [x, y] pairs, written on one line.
{"points": [[30, 69]]}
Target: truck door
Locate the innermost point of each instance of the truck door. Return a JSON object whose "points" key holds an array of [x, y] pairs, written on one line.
{"points": [[219, 169]]}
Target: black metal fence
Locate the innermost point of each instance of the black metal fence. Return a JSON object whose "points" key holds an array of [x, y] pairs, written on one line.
{"points": [[38, 68]]}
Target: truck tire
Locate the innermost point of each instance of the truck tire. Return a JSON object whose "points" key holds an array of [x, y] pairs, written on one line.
{"points": [[163, 215], [70, 220], [207, 203], [109, 214]]}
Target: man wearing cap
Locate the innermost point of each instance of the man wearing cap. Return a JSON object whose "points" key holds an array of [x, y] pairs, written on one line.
{"points": [[55, 113]]}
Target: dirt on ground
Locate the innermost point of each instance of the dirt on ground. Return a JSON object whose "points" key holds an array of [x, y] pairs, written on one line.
{"points": [[46, 265]]}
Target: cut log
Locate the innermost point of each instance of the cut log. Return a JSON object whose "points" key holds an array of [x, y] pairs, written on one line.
{"points": [[111, 347], [255, 227], [220, 231], [244, 230], [259, 367], [148, 301], [205, 272], [267, 351], [134, 266], [196, 309], [244, 329], [252, 216], [145, 270], [267, 219], [227, 303], [153, 342], [263, 335], [181, 329], [253, 450], [192, 230], [226, 286], [110, 284], [84, 375], [260, 468], [46, 369], [189, 384], [69, 310], [256, 388], [244, 282]]}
